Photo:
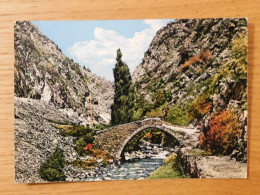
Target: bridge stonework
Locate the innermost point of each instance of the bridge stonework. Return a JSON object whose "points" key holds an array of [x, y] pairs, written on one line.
{"points": [[114, 139]]}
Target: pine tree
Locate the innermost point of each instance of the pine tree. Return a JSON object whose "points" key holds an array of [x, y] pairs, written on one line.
{"points": [[122, 108]]}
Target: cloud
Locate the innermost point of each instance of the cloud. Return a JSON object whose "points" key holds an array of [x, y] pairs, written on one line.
{"points": [[99, 54]]}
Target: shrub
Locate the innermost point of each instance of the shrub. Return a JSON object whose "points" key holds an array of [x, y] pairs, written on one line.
{"points": [[222, 136], [178, 116], [74, 130], [159, 98], [88, 148], [190, 62], [85, 164], [79, 146], [154, 113], [204, 57], [101, 154], [200, 107], [52, 168], [99, 126], [239, 52], [148, 136]]}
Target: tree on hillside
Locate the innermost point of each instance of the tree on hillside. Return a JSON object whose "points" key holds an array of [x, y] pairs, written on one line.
{"points": [[122, 108]]}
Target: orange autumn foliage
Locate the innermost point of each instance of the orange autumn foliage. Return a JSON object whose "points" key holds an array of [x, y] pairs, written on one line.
{"points": [[204, 56], [88, 147], [222, 136], [148, 136], [189, 62], [200, 106]]}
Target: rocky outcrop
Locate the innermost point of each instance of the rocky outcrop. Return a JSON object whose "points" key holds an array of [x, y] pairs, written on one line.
{"points": [[43, 72]]}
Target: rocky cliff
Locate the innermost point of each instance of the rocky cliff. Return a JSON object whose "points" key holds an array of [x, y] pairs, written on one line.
{"points": [[43, 72], [50, 89], [194, 68]]}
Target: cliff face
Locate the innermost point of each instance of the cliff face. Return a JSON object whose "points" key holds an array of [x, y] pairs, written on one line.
{"points": [[43, 72], [50, 88], [194, 68], [185, 54], [181, 40]]}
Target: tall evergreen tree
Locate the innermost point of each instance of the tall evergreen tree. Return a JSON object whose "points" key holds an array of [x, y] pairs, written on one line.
{"points": [[122, 108]]}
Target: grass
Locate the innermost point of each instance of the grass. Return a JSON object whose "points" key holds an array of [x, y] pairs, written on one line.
{"points": [[168, 170]]}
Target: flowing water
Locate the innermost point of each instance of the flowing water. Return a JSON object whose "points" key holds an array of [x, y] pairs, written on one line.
{"points": [[139, 169], [139, 164], [133, 168]]}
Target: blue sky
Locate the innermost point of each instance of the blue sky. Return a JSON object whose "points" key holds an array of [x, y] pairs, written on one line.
{"points": [[94, 43]]}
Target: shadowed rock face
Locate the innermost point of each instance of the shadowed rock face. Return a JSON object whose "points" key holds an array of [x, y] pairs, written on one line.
{"points": [[43, 72]]}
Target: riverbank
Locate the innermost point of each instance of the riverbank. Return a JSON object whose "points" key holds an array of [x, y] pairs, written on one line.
{"points": [[169, 170]]}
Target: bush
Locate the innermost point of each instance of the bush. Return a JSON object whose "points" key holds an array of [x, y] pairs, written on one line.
{"points": [[79, 146], [200, 107], [82, 142], [178, 116], [222, 136], [203, 57], [85, 164], [75, 130], [190, 62], [52, 168], [101, 154], [98, 126], [239, 52]]}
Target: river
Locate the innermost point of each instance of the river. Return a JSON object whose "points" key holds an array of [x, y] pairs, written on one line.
{"points": [[135, 168]]}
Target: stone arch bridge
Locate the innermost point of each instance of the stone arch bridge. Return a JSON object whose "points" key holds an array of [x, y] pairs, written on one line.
{"points": [[114, 139]]}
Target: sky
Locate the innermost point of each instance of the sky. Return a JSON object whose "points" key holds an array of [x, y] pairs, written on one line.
{"points": [[93, 44]]}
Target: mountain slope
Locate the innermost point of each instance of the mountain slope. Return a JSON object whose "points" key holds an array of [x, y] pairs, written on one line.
{"points": [[192, 69], [43, 72], [51, 89]]}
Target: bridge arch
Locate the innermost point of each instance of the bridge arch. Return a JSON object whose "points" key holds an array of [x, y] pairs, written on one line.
{"points": [[174, 134]]}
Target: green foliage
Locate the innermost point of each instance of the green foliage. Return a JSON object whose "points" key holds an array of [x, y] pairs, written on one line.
{"points": [[52, 168], [73, 130], [239, 52], [82, 142], [85, 164], [156, 112], [99, 126], [171, 169], [159, 97], [122, 108], [83, 134], [201, 106], [141, 107], [177, 166], [178, 116]]}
